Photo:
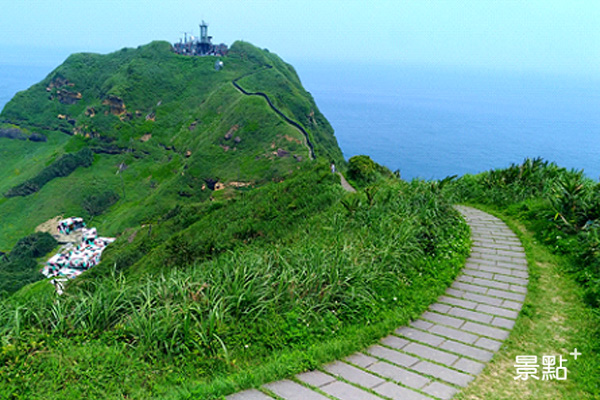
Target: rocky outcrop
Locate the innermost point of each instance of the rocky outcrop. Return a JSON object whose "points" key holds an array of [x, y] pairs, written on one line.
{"points": [[66, 96], [115, 104]]}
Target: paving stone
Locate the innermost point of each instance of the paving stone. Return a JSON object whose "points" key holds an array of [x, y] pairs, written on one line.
{"points": [[394, 341], [455, 334], [454, 292], [344, 391], [471, 315], [485, 330], [290, 390], [465, 278], [496, 270], [353, 374], [477, 273], [502, 312], [469, 288], [503, 322], [392, 356], [420, 336], [429, 353], [519, 274], [469, 366], [420, 324], [440, 390], [467, 350], [490, 283], [315, 378], [511, 279], [488, 344], [399, 374], [517, 288], [251, 394], [360, 359], [512, 304], [458, 302], [397, 392], [443, 373], [512, 265], [442, 319], [480, 298], [476, 263], [439, 307], [506, 295]]}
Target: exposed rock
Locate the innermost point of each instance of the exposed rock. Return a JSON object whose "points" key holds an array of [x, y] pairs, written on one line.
{"points": [[297, 157], [291, 139], [219, 186], [146, 137], [37, 137], [282, 153], [188, 154], [210, 183], [67, 97], [226, 148], [12, 133], [239, 184], [61, 116], [237, 139], [116, 105], [151, 116], [59, 82], [138, 113], [193, 125], [90, 112], [127, 116], [231, 131]]}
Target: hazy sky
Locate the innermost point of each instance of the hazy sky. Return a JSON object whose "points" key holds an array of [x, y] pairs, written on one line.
{"points": [[545, 36]]}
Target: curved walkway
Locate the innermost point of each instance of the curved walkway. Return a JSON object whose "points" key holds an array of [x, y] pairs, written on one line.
{"points": [[441, 352], [296, 125]]}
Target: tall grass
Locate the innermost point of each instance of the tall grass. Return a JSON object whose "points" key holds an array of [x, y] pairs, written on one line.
{"points": [[337, 269], [561, 206]]}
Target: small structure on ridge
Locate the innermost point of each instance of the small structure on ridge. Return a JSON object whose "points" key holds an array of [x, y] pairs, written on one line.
{"points": [[202, 46]]}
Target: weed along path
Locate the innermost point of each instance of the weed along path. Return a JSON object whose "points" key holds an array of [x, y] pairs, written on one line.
{"points": [[443, 350]]}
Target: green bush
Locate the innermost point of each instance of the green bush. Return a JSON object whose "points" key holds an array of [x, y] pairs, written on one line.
{"points": [[96, 204], [561, 206], [61, 167]]}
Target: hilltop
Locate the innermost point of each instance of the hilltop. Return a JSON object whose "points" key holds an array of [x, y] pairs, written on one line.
{"points": [[163, 130]]}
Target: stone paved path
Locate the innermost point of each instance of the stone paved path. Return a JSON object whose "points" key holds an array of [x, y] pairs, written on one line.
{"points": [[441, 352]]}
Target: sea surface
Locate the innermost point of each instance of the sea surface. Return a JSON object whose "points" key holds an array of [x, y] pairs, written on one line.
{"points": [[433, 122]]}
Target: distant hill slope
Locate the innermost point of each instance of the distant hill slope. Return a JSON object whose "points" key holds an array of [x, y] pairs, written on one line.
{"points": [[164, 130]]}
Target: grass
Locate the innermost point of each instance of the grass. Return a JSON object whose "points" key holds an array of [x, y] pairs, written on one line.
{"points": [[554, 321], [310, 288]]}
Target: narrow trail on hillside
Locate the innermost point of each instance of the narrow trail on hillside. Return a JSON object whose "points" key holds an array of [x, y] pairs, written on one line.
{"points": [[347, 187], [296, 125], [442, 351]]}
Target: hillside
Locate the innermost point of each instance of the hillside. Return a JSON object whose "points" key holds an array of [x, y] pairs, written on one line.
{"points": [[164, 129]]}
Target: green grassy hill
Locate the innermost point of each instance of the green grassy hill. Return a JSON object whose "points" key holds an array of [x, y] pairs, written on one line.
{"points": [[163, 129]]}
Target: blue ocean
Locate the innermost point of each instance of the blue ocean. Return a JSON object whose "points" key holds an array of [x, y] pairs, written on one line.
{"points": [[433, 122]]}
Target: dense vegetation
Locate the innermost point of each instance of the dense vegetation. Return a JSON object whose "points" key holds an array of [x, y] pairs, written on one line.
{"points": [[164, 129], [66, 164], [20, 267], [284, 268], [561, 206]]}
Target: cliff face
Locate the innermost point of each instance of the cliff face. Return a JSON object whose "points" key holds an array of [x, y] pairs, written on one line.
{"points": [[174, 121]]}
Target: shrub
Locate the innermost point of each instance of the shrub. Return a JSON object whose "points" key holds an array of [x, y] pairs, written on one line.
{"points": [[61, 167]]}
